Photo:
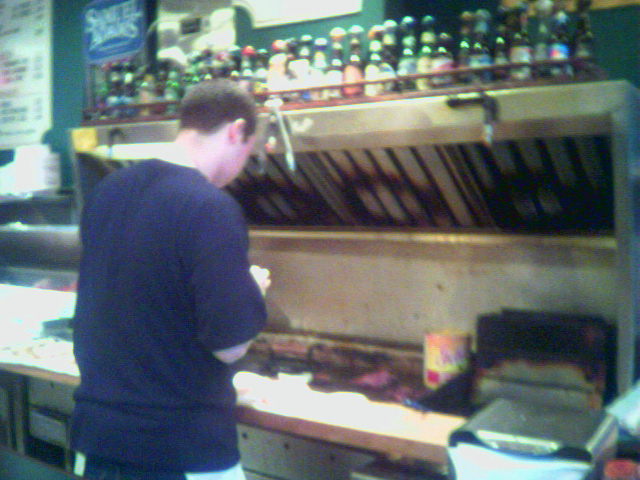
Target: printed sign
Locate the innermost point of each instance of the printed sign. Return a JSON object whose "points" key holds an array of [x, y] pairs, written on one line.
{"points": [[25, 71], [270, 13], [113, 29]]}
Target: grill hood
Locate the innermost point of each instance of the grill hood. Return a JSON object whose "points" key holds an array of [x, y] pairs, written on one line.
{"points": [[422, 162]]}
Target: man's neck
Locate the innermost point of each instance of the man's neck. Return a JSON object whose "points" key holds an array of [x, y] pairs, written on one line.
{"points": [[176, 152]]}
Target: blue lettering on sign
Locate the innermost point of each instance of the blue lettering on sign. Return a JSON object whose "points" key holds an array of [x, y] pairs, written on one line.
{"points": [[113, 29]]}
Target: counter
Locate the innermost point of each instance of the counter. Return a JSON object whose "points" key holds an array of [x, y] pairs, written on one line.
{"points": [[283, 405]]}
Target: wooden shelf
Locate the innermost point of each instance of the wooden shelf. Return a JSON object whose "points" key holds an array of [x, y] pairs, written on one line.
{"points": [[597, 4]]}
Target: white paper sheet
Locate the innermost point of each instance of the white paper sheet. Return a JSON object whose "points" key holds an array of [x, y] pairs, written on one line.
{"points": [[474, 462], [24, 309]]}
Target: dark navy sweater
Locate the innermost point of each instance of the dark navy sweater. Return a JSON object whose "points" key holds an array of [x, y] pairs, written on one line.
{"points": [[164, 281]]}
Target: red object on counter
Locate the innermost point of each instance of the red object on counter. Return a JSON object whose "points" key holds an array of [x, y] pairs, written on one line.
{"points": [[620, 469], [378, 379]]}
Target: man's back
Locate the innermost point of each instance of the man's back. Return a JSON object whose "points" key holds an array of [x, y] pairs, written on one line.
{"points": [[164, 282]]}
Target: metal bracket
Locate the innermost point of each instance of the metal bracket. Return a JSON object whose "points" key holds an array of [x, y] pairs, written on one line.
{"points": [[278, 120], [489, 106]]}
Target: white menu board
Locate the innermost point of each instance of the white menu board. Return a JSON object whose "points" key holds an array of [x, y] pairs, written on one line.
{"points": [[25, 71], [269, 13]]}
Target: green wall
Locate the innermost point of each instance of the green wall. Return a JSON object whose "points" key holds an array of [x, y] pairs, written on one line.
{"points": [[617, 34], [68, 78]]}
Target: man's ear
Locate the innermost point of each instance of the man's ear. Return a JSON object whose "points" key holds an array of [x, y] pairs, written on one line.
{"points": [[236, 130]]}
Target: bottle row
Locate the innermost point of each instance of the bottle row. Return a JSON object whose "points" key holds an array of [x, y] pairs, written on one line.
{"points": [[392, 57]]}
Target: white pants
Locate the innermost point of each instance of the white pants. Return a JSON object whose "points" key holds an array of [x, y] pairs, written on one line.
{"points": [[233, 473]]}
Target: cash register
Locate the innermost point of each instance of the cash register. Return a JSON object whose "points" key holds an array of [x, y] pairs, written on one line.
{"points": [[515, 439]]}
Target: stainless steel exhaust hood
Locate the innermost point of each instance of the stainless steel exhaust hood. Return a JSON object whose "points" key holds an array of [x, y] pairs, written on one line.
{"points": [[422, 162]]}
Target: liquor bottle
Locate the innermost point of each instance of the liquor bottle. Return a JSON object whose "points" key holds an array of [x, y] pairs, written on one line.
{"points": [[306, 47], [390, 43], [353, 71], [161, 83], [305, 55], [387, 72], [235, 62], [500, 57], [337, 36], [217, 65], [375, 46], [260, 72], [407, 65], [442, 61], [482, 25], [516, 21], [100, 86], [128, 94], [207, 59], [230, 62], [277, 73], [520, 52], [559, 44], [205, 70], [292, 46], [407, 30], [128, 77], [424, 66], [146, 93], [376, 33], [355, 39], [202, 67], [229, 66], [583, 41], [500, 44], [190, 71], [336, 67], [428, 34], [173, 89], [480, 55], [371, 73], [247, 67], [544, 8], [319, 66], [467, 20], [297, 67], [116, 83]]}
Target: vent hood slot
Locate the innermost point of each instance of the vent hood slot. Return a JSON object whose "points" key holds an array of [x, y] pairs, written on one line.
{"points": [[536, 184]]}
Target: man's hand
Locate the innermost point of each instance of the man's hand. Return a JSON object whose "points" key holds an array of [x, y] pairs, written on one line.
{"points": [[262, 276], [232, 354]]}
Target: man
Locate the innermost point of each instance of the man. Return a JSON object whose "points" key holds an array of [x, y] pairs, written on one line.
{"points": [[166, 300]]}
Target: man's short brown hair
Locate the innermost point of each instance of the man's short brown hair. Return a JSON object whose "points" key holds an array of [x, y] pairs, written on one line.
{"points": [[208, 105]]}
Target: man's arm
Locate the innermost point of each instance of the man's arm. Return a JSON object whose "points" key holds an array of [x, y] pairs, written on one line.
{"points": [[262, 276]]}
